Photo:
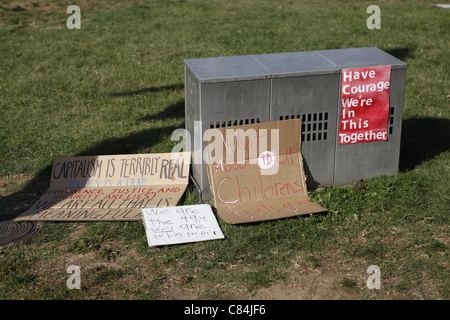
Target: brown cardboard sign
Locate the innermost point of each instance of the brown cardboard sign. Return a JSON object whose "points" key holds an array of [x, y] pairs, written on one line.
{"points": [[113, 187], [260, 180]]}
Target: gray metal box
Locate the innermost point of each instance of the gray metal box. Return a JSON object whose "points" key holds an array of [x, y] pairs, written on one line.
{"points": [[227, 91]]}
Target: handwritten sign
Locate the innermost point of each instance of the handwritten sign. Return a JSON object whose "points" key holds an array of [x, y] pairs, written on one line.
{"points": [[181, 224], [364, 104], [118, 171], [243, 193], [112, 187]]}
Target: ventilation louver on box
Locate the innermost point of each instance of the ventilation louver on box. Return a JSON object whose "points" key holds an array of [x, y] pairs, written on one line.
{"points": [[229, 123], [314, 125]]}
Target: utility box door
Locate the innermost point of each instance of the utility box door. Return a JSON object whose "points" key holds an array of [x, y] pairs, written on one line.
{"points": [[304, 86], [222, 92], [357, 161]]}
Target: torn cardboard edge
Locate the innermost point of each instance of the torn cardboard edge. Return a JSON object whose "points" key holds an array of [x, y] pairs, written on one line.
{"points": [[269, 183], [111, 188]]}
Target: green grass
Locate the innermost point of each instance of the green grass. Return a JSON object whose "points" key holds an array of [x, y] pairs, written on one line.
{"points": [[117, 86]]}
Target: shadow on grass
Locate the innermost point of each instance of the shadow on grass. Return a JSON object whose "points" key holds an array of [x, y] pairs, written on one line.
{"points": [[18, 202], [422, 140], [175, 111], [173, 87], [403, 53]]}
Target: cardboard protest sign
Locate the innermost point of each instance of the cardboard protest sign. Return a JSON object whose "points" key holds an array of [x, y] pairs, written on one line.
{"points": [[364, 104], [269, 182], [181, 224], [113, 187]]}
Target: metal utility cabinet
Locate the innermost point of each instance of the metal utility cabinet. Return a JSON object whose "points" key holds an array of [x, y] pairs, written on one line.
{"points": [[227, 91]]}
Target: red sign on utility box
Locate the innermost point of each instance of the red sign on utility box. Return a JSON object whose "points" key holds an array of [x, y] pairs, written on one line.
{"points": [[364, 113]]}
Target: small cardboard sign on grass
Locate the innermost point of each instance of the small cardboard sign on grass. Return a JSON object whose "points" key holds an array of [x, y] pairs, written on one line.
{"points": [[253, 180], [181, 224], [113, 187]]}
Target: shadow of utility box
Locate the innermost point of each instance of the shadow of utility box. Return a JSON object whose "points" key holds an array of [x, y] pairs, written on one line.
{"points": [[236, 90]]}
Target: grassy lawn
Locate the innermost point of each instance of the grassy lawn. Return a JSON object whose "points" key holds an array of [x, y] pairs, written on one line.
{"points": [[117, 86]]}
